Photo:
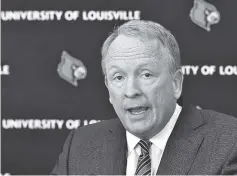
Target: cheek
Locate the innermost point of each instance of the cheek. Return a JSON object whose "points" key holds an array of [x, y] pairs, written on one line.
{"points": [[115, 95], [159, 94]]}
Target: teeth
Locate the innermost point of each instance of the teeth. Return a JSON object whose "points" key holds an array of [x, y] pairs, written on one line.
{"points": [[137, 111]]}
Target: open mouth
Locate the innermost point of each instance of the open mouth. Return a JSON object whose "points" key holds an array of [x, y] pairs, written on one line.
{"points": [[137, 110]]}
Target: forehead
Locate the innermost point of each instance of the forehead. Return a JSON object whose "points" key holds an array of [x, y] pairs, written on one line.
{"points": [[127, 47]]}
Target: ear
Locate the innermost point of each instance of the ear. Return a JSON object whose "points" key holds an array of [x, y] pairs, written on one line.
{"points": [[105, 81], [106, 84], [178, 83], [110, 100]]}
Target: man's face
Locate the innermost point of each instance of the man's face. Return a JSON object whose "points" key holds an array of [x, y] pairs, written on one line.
{"points": [[141, 88]]}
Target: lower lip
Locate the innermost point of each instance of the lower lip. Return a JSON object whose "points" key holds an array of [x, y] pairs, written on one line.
{"points": [[138, 115]]}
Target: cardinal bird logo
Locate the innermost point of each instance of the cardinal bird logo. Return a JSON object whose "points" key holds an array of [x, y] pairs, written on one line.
{"points": [[204, 14], [71, 69]]}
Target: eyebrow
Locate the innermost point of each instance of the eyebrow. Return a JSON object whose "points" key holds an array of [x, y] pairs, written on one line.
{"points": [[138, 67]]}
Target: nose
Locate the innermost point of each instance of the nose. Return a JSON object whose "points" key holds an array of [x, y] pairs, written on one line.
{"points": [[132, 88]]}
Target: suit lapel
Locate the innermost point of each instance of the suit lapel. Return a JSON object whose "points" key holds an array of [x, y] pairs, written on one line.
{"points": [[183, 143]]}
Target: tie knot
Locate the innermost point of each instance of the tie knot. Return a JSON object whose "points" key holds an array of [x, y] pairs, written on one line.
{"points": [[145, 146]]}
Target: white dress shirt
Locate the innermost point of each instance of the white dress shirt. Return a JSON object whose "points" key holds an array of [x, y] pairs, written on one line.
{"points": [[157, 148]]}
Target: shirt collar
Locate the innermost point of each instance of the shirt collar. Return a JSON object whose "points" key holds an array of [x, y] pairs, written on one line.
{"points": [[160, 139]]}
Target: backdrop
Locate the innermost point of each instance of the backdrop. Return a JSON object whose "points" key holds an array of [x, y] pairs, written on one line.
{"points": [[39, 108]]}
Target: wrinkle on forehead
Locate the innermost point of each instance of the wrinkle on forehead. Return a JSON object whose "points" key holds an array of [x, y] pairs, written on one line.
{"points": [[130, 48]]}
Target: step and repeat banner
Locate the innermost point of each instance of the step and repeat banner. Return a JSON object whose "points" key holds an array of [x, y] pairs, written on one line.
{"points": [[51, 78]]}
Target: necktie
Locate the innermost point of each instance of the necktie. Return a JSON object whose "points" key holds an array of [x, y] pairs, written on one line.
{"points": [[144, 160]]}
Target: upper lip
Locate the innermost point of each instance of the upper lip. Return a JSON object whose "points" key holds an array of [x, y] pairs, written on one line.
{"points": [[134, 107]]}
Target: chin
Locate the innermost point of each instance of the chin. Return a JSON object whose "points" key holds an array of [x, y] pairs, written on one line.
{"points": [[139, 131]]}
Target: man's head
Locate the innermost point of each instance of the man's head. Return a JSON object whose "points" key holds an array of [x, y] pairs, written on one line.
{"points": [[142, 68]]}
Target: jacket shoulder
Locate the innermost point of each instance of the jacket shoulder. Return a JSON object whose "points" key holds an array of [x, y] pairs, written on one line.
{"points": [[218, 119], [102, 125], [219, 125], [96, 131]]}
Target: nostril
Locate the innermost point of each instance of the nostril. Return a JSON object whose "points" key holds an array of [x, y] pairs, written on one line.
{"points": [[131, 95]]}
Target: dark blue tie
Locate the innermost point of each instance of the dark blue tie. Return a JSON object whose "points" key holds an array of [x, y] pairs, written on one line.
{"points": [[144, 160]]}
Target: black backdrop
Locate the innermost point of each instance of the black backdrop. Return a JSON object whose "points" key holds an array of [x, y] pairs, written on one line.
{"points": [[33, 89]]}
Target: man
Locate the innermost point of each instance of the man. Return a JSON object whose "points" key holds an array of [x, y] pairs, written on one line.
{"points": [[152, 134]]}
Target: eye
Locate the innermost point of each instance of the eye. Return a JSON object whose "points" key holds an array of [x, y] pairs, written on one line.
{"points": [[118, 78], [147, 75]]}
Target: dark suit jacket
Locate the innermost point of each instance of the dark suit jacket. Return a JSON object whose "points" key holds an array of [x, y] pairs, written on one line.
{"points": [[203, 142]]}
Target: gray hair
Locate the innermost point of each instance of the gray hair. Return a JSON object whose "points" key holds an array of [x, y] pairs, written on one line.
{"points": [[146, 30]]}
